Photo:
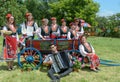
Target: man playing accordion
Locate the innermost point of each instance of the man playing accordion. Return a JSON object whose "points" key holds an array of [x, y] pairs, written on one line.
{"points": [[60, 63]]}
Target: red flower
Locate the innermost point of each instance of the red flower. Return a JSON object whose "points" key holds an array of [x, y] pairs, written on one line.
{"points": [[28, 14], [8, 15]]}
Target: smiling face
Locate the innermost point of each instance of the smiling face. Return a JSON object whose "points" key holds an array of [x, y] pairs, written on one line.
{"points": [[76, 22], [45, 21], [30, 17], [83, 39], [72, 27], [11, 20], [64, 23], [54, 21]]}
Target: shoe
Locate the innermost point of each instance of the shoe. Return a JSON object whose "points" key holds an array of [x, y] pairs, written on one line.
{"points": [[13, 68], [94, 70], [9, 69], [57, 77], [98, 69]]}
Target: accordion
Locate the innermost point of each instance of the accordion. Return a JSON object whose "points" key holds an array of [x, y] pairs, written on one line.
{"points": [[60, 61]]}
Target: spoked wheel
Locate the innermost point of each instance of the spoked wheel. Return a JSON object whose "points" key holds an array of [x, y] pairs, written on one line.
{"points": [[30, 57], [75, 54]]}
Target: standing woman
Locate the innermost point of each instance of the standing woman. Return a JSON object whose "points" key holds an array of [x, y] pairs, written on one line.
{"points": [[29, 26], [78, 27], [72, 32], [63, 29], [54, 29], [44, 31], [10, 41]]}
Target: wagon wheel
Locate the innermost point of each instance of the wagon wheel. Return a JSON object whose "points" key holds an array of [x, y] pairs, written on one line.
{"points": [[30, 57], [74, 54]]}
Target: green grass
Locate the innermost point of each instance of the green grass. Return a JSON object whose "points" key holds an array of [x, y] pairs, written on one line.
{"points": [[106, 48]]}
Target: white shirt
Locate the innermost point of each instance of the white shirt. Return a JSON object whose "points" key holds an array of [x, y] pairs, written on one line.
{"points": [[83, 52], [80, 33], [69, 36], [38, 32], [5, 28], [29, 30]]}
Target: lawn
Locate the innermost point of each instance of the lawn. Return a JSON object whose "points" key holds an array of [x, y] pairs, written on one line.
{"points": [[106, 48]]}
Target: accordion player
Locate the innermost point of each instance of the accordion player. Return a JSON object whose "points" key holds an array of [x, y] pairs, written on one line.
{"points": [[60, 61]]}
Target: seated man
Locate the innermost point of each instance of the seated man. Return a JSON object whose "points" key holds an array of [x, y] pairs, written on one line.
{"points": [[88, 51], [60, 63]]}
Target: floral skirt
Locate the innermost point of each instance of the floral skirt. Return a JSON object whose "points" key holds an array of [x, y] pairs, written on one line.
{"points": [[95, 62], [10, 48]]}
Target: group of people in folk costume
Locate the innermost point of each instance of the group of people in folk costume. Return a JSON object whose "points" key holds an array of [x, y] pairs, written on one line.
{"points": [[54, 31], [29, 28]]}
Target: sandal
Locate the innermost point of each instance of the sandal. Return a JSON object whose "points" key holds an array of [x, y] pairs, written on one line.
{"points": [[94, 70]]}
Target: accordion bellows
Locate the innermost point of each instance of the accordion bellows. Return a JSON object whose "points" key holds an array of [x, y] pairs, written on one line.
{"points": [[60, 61]]}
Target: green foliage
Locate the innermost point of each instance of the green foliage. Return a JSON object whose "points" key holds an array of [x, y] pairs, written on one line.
{"points": [[109, 26], [39, 9], [13, 7], [77, 64], [69, 9], [27, 67]]}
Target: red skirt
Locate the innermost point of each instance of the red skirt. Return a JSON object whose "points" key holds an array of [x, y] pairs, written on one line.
{"points": [[10, 48], [52, 36], [95, 62], [63, 37]]}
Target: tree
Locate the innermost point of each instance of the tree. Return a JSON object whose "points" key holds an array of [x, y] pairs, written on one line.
{"points": [[39, 9], [110, 25], [102, 21], [13, 7], [69, 9]]}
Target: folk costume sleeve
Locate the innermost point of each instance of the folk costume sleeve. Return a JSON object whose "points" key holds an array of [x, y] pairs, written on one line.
{"points": [[82, 50], [5, 28], [38, 32], [23, 28], [47, 58], [68, 35], [36, 26]]}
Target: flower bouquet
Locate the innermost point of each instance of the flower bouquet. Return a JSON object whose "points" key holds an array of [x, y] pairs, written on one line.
{"points": [[77, 64]]}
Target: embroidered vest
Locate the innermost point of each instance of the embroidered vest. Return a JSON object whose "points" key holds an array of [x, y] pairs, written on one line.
{"points": [[87, 49], [43, 33]]}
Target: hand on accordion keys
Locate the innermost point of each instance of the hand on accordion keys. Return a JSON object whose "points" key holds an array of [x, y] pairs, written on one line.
{"points": [[48, 63]]}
